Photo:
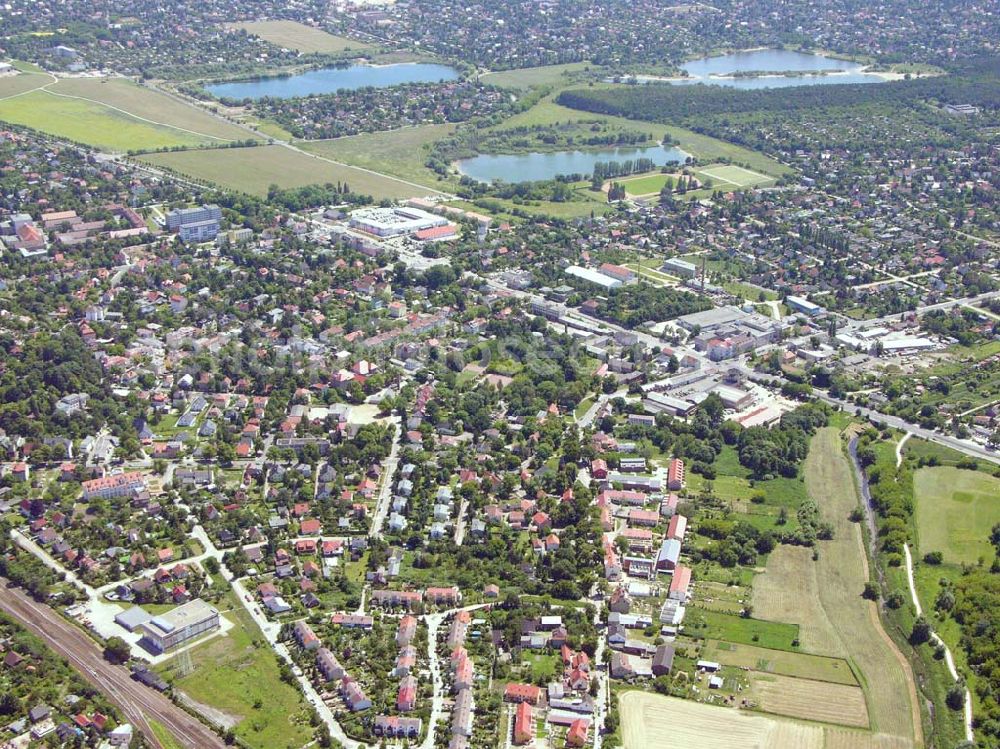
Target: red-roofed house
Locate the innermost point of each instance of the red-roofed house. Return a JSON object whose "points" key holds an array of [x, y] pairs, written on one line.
{"points": [[406, 697], [577, 733], [523, 724], [680, 583], [675, 475], [522, 693]]}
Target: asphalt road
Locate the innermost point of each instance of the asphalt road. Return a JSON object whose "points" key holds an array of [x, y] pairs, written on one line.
{"points": [[136, 701]]}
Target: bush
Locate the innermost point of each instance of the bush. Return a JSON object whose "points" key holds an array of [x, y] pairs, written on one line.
{"points": [[955, 698], [933, 557], [921, 631], [117, 650]]}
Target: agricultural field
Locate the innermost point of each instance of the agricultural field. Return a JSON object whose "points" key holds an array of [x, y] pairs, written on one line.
{"points": [[239, 680], [651, 721], [954, 510], [152, 105], [302, 38], [824, 598], [841, 571], [400, 153], [781, 662], [111, 113], [545, 75], [90, 124], [788, 591], [15, 85], [253, 170], [809, 700]]}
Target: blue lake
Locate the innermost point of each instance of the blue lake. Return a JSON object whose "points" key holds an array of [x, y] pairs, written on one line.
{"points": [[532, 167], [331, 80], [708, 70]]}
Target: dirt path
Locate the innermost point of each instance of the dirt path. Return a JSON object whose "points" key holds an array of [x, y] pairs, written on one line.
{"points": [[899, 447], [948, 657], [842, 570]]}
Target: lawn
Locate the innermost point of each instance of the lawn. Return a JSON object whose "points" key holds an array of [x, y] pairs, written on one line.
{"points": [[545, 75], [941, 455], [650, 269], [749, 291], [955, 510], [302, 38], [583, 205], [732, 483], [715, 625], [585, 404], [544, 668], [238, 674], [253, 170], [401, 153], [91, 124], [269, 129], [802, 665]]}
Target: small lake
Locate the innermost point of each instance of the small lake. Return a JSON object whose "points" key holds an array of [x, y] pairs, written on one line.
{"points": [[331, 80], [534, 166], [708, 70]]}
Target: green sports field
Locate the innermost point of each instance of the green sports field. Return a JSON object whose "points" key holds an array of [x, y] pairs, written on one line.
{"points": [[736, 176], [956, 509], [302, 38], [722, 176]]}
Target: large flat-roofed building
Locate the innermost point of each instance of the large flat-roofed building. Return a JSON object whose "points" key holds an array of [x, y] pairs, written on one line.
{"points": [[681, 268], [166, 631], [195, 224], [394, 222], [801, 304], [594, 277], [711, 318]]}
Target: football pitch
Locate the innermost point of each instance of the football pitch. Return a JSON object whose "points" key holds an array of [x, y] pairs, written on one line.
{"points": [[722, 176]]}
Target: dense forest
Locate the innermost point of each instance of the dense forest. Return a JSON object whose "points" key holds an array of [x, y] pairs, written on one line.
{"points": [[631, 306], [977, 609], [42, 369], [976, 82]]}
